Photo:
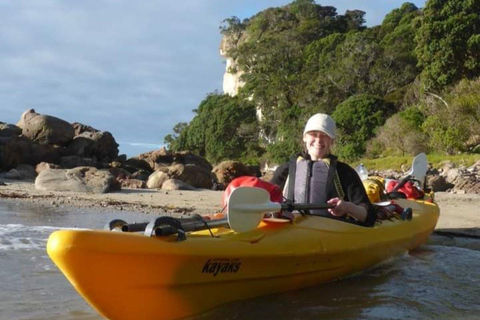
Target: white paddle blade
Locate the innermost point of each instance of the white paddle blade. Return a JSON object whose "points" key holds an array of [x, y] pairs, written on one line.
{"points": [[246, 207], [419, 167]]}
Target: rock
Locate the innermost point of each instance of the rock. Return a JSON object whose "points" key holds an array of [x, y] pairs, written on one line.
{"points": [[13, 174], [45, 129], [156, 157], [255, 170], [9, 130], [81, 179], [175, 184], [133, 183], [194, 175], [267, 176], [188, 158], [27, 171], [119, 174], [438, 183], [81, 128], [156, 179], [226, 171], [15, 151], [447, 165], [141, 175], [45, 165], [94, 144], [70, 162], [469, 183], [133, 165]]}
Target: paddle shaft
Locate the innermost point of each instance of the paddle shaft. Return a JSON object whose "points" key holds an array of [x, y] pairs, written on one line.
{"points": [[305, 206], [165, 230]]}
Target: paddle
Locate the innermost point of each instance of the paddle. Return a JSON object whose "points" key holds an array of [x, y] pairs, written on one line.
{"points": [[418, 171], [247, 206]]}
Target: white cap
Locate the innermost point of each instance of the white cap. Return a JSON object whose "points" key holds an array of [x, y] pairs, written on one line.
{"points": [[321, 122]]}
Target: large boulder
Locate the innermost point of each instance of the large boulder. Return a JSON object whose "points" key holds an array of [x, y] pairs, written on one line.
{"points": [[188, 158], [226, 171], [174, 184], [22, 172], [132, 165], [94, 144], [45, 129], [156, 158], [195, 176], [81, 179], [46, 165], [438, 183], [156, 179]]}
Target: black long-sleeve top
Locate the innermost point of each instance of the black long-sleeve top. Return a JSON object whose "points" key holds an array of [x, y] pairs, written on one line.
{"points": [[351, 184]]}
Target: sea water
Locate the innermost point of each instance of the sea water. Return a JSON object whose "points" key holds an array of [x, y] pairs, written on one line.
{"points": [[440, 280]]}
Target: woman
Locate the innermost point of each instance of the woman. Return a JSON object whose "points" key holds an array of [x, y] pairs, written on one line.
{"points": [[315, 176]]}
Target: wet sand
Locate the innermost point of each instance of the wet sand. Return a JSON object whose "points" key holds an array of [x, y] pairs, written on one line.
{"points": [[459, 213]]}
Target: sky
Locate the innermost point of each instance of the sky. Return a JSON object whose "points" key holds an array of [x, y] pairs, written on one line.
{"points": [[133, 68]]}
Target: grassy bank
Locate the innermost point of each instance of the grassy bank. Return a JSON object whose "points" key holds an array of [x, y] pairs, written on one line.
{"points": [[436, 160]]}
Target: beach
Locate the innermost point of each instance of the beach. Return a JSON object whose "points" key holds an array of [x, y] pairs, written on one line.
{"points": [[459, 213]]}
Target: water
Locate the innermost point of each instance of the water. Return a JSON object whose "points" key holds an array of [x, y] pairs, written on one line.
{"points": [[437, 281]]}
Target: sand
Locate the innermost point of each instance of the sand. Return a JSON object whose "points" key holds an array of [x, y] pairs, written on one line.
{"points": [[459, 213]]}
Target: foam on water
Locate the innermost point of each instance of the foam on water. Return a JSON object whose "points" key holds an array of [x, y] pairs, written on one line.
{"points": [[22, 237]]}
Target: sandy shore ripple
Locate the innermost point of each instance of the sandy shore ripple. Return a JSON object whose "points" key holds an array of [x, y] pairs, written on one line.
{"points": [[459, 213]]}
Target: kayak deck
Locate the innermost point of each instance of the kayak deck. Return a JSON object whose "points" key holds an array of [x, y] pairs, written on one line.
{"points": [[131, 276]]}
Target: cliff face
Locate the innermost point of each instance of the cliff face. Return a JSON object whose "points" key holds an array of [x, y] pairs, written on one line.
{"points": [[231, 77]]}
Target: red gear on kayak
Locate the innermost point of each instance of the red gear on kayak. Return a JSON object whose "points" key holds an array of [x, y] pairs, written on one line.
{"points": [[275, 192], [409, 189]]}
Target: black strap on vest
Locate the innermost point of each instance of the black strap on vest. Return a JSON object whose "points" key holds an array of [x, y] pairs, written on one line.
{"points": [[292, 171]]}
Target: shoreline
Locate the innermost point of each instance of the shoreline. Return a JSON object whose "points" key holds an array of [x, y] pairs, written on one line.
{"points": [[459, 213]]}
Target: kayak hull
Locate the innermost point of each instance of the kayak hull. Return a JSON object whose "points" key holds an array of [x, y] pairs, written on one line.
{"points": [[131, 276]]}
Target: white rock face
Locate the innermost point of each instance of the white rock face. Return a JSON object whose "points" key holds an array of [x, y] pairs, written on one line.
{"points": [[231, 81], [231, 77]]}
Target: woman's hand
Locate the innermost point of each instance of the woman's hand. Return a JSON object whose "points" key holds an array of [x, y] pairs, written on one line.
{"points": [[343, 208], [340, 209]]}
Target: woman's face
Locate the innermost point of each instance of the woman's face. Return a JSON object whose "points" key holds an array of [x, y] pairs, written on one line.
{"points": [[318, 144]]}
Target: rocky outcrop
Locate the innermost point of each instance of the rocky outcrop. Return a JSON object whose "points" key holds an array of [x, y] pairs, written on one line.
{"points": [[81, 179], [94, 144], [45, 129], [231, 78]]}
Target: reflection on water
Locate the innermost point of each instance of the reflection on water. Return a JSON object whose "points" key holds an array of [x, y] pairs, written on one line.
{"points": [[437, 281]]}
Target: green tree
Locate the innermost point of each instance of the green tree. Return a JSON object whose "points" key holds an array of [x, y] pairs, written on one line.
{"points": [[172, 139], [357, 120], [224, 128], [448, 42]]}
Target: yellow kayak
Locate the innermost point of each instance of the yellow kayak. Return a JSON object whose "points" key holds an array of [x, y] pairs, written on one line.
{"points": [[126, 275]]}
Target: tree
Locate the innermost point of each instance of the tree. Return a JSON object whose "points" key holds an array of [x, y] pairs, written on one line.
{"points": [[448, 42], [172, 140], [357, 120], [224, 128]]}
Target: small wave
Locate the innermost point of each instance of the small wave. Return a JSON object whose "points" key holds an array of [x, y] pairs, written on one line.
{"points": [[21, 237]]}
